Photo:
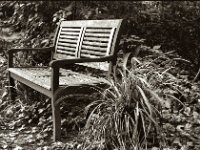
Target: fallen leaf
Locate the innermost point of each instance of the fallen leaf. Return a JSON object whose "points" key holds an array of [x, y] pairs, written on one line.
{"points": [[195, 115], [180, 128], [177, 142], [156, 47], [187, 111], [40, 111], [34, 130], [188, 127], [13, 134], [5, 93], [22, 128], [4, 144], [18, 148]]}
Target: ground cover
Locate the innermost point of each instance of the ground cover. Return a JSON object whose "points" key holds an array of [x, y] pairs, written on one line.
{"points": [[27, 123]]}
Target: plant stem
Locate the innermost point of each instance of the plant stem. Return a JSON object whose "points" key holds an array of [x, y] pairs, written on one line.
{"points": [[197, 75]]}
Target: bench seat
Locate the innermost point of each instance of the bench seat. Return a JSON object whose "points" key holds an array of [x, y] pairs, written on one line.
{"points": [[42, 77]]}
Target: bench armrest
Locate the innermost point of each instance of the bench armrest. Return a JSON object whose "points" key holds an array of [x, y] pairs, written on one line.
{"points": [[57, 64], [63, 62], [11, 51]]}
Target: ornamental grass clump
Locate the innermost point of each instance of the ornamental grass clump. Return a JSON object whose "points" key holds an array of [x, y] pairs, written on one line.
{"points": [[129, 113], [123, 118]]}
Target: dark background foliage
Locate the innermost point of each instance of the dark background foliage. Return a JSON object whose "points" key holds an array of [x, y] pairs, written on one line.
{"points": [[165, 25], [173, 25]]}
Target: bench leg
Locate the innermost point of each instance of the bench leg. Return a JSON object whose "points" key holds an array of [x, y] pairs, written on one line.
{"points": [[56, 121], [12, 90]]}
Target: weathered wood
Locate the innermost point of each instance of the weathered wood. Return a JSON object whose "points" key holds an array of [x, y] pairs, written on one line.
{"points": [[100, 44], [88, 53], [65, 48], [110, 41], [96, 35], [71, 29], [56, 120], [70, 33], [67, 44], [61, 56], [96, 39], [11, 87], [42, 77], [104, 66], [93, 48], [93, 23], [67, 41], [10, 60], [98, 30], [68, 37], [67, 53], [11, 51], [55, 108], [90, 43]]}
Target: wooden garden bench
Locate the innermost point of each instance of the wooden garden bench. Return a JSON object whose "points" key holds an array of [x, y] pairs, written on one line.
{"points": [[90, 43]]}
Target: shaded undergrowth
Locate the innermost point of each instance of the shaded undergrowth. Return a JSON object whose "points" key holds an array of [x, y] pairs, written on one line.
{"points": [[26, 123]]}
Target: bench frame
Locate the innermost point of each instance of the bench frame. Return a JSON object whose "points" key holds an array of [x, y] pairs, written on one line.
{"points": [[55, 66]]}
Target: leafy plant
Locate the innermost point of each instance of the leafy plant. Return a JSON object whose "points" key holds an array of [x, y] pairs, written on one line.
{"points": [[129, 112], [123, 117]]}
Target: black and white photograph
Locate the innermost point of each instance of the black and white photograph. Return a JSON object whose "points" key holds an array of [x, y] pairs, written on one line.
{"points": [[99, 75]]}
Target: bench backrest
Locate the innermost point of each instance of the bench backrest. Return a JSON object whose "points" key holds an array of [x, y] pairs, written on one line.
{"points": [[88, 39]]}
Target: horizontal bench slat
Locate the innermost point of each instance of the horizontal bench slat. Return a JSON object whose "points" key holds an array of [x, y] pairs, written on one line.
{"points": [[101, 27], [67, 41], [95, 43], [68, 37], [67, 44], [88, 52], [97, 30], [66, 26], [66, 52], [92, 48], [66, 48], [71, 29], [63, 56], [69, 33], [89, 56], [92, 23], [96, 39], [97, 35]]}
